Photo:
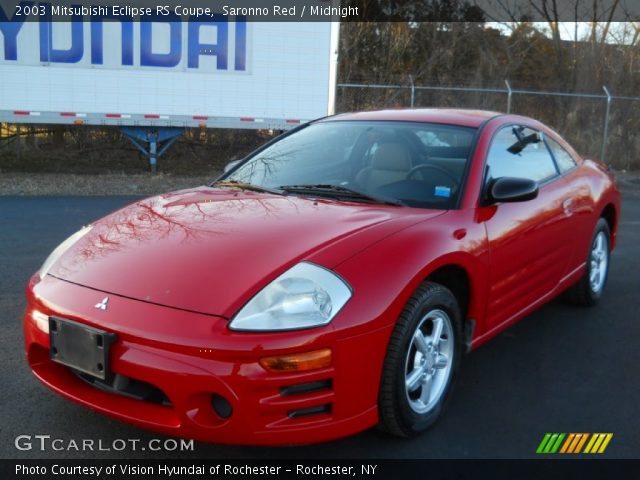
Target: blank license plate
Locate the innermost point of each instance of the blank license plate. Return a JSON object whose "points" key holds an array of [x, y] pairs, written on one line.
{"points": [[80, 347]]}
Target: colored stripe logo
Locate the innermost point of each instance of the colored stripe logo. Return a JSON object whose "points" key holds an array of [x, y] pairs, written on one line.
{"points": [[574, 443]]}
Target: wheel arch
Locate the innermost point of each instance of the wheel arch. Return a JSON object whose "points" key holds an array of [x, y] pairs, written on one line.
{"points": [[455, 278], [610, 214], [459, 281]]}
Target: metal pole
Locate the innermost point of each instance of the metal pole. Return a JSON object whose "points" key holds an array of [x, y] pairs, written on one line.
{"points": [[509, 93], [413, 91], [605, 133], [153, 150]]}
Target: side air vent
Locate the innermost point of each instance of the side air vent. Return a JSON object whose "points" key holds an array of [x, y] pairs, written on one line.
{"points": [[306, 387], [304, 412]]}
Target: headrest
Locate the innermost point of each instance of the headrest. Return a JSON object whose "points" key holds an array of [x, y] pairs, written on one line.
{"points": [[391, 156]]}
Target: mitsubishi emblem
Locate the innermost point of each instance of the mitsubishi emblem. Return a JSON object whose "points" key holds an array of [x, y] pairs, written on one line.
{"points": [[103, 304]]}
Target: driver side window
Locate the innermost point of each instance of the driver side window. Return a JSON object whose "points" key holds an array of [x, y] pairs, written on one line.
{"points": [[520, 152]]}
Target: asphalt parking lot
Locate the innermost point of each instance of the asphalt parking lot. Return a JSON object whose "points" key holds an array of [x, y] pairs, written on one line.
{"points": [[562, 369]]}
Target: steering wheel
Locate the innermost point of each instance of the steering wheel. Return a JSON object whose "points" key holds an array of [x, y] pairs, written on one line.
{"points": [[443, 171]]}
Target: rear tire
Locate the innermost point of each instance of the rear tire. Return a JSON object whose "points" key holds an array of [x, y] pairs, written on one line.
{"points": [[588, 290], [422, 361]]}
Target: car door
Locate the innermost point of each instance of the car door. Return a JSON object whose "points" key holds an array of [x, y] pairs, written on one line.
{"points": [[529, 241]]}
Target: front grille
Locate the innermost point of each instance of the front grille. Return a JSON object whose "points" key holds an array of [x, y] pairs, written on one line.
{"points": [[128, 387]]}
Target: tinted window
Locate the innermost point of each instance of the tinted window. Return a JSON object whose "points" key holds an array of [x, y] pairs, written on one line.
{"points": [[518, 152], [564, 160]]}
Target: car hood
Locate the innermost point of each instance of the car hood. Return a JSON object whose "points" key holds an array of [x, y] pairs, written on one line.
{"points": [[209, 250]]}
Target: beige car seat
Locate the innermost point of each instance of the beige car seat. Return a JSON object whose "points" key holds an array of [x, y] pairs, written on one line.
{"points": [[391, 162]]}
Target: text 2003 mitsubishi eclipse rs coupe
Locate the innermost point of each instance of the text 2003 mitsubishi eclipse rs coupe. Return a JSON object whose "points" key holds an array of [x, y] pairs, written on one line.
{"points": [[329, 282]]}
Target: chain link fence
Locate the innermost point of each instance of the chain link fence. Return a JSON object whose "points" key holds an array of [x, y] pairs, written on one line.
{"points": [[599, 125]]}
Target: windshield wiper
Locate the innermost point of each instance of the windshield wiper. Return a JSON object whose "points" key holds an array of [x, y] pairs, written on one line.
{"points": [[338, 191], [246, 186]]}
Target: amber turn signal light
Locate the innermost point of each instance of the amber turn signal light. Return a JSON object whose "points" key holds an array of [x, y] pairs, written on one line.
{"points": [[298, 362]]}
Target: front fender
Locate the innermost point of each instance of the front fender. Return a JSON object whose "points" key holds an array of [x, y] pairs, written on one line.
{"points": [[384, 275]]}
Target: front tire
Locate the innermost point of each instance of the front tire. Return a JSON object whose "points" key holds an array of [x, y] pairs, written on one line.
{"points": [[422, 361], [588, 291]]}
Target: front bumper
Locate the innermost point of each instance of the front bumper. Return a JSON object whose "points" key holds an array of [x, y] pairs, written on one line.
{"points": [[191, 358]]}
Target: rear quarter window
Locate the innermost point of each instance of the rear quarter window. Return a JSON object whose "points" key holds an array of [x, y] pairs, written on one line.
{"points": [[563, 158]]}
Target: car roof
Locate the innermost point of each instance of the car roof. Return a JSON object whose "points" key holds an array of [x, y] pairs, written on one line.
{"points": [[450, 116]]}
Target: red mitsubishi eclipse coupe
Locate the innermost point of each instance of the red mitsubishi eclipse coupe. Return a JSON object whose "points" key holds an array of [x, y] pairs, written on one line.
{"points": [[329, 282]]}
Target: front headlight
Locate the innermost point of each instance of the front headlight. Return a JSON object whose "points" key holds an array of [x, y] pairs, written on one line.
{"points": [[304, 296], [60, 249]]}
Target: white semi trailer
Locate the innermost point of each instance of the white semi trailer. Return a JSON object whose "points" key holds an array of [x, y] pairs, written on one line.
{"points": [[154, 78]]}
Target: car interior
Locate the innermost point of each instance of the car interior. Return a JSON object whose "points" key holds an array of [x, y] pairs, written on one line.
{"points": [[418, 167]]}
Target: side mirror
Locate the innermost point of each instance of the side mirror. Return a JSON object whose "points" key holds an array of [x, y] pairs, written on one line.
{"points": [[230, 165], [512, 189]]}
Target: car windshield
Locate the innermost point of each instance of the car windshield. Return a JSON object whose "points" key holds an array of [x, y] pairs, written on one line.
{"points": [[400, 163]]}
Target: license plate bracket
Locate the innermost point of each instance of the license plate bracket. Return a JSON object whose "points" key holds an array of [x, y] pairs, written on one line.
{"points": [[80, 346]]}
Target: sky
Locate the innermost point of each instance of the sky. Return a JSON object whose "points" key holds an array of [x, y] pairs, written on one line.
{"points": [[619, 32]]}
